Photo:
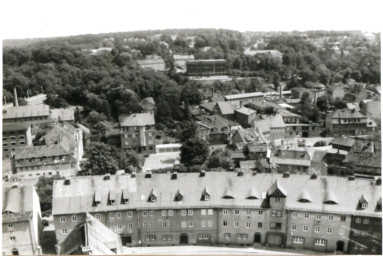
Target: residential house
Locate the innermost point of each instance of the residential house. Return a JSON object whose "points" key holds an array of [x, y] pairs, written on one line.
{"points": [[138, 132], [222, 108], [21, 217], [214, 67], [148, 105], [348, 122], [62, 115], [245, 116], [292, 161], [152, 62], [257, 151], [90, 237], [235, 208], [15, 135], [272, 127], [33, 115], [180, 61], [214, 129]]}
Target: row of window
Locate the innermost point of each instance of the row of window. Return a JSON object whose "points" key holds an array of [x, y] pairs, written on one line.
{"points": [[360, 220], [190, 212], [21, 137], [301, 240], [14, 143], [237, 212], [317, 229], [236, 224], [318, 216]]}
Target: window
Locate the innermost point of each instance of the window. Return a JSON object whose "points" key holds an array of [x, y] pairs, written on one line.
{"points": [[236, 212], [366, 221], [144, 213], [210, 212], [163, 213], [119, 226], [319, 216], [279, 214], [260, 212], [259, 224], [74, 218], [275, 225], [130, 214], [190, 212], [305, 228], [111, 215], [118, 214], [203, 212], [236, 224], [341, 232], [293, 227], [183, 212], [151, 224], [184, 224], [331, 217], [227, 235], [358, 220], [190, 224], [307, 215], [329, 231], [171, 224], [317, 229], [277, 199], [12, 240], [150, 238], [62, 219], [248, 212], [10, 227], [170, 213], [98, 216], [210, 223], [130, 224], [242, 236], [248, 224], [224, 223], [167, 237], [145, 224], [164, 224], [225, 211], [364, 205], [342, 218], [298, 240], [203, 223], [273, 213], [64, 231], [295, 215], [320, 242]]}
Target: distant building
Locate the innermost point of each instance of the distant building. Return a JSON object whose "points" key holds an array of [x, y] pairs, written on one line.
{"points": [[348, 122], [292, 161], [214, 129], [15, 135], [180, 60], [245, 116], [272, 53], [152, 62], [62, 115], [222, 108], [148, 105], [21, 217], [100, 51], [89, 237], [33, 115], [206, 67], [138, 132], [272, 127], [246, 98]]}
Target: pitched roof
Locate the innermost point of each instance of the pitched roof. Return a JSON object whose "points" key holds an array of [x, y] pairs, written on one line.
{"points": [[138, 119], [63, 134], [257, 148], [78, 196], [62, 114], [346, 113], [17, 202], [208, 106], [269, 122], [225, 108], [243, 95], [348, 142], [40, 151], [26, 111], [246, 111]]}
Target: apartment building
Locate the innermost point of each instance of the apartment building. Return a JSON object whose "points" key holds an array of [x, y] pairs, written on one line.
{"points": [[14, 136], [21, 217], [138, 132], [154, 62], [216, 208], [215, 67]]}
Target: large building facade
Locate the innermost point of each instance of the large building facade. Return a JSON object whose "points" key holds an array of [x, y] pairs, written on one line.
{"points": [[206, 67], [15, 135], [217, 208]]}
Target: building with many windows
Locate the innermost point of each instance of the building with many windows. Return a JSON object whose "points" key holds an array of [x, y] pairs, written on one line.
{"points": [[35, 114], [138, 132], [215, 67], [21, 217], [15, 135], [217, 208]]}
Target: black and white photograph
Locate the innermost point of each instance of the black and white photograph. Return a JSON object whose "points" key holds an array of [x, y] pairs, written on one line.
{"points": [[191, 127]]}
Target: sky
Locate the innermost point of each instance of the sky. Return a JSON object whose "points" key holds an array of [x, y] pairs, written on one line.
{"points": [[50, 18]]}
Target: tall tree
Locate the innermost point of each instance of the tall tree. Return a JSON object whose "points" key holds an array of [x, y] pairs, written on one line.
{"points": [[193, 152]]}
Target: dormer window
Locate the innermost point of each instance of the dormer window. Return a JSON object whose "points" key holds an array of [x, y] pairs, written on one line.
{"points": [[125, 198], [126, 201], [205, 195], [97, 198], [152, 196], [153, 199], [178, 196], [112, 202], [112, 198], [364, 205]]}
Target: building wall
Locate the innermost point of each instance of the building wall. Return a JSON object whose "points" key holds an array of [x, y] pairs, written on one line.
{"points": [[24, 243], [25, 119], [34, 172], [365, 231], [14, 139], [139, 138], [244, 120], [63, 228], [203, 68], [339, 230], [277, 133]]}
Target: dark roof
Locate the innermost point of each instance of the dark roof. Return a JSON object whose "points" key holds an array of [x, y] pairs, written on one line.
{"points": [[348, 142], [79, 195], [257, 148], [63, 134], [346, 113]]}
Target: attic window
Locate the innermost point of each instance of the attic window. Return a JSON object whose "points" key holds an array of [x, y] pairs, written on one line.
{"points": [[97, 199], [364, 205], [126, 201], [153, 199], [152, 196], [178, 196], [112, 202], [112, 198], [330, 202], [304, 200], [125, 198], [205, 195]]}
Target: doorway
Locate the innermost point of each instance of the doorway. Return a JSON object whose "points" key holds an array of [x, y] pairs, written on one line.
{"points": [[15, 251], [257, 237], [184, 238], [340, 246]]}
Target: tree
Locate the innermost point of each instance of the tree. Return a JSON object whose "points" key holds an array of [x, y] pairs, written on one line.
{"points": [[270, 111], [44, 189], [322, 103], [187, 112], [188, 132], [193, 152], [220, 158], [100, 159], [340, 104]]}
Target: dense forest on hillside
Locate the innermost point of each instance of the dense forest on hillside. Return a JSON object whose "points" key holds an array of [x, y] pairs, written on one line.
{"points": [[110, 84]]}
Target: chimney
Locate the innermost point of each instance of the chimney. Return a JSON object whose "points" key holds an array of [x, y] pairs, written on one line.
{"points": [[254, 173], [351, 177], [107, 176], [133, 175], [67, 180], [15, 185], [313, 176], [148, 174], [280, 91], [15, 95], [286, 175], [378, 181], [239, 173], [174, 175], [202, 173]]}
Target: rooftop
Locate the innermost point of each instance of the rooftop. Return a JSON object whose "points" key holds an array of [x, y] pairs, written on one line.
{"points": [[79, 195], [246, 111], [28, 152], [210, 60], [17, 202], [243, 95], [26, 111], [138, 119], [62, 114], [8, 127]]}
